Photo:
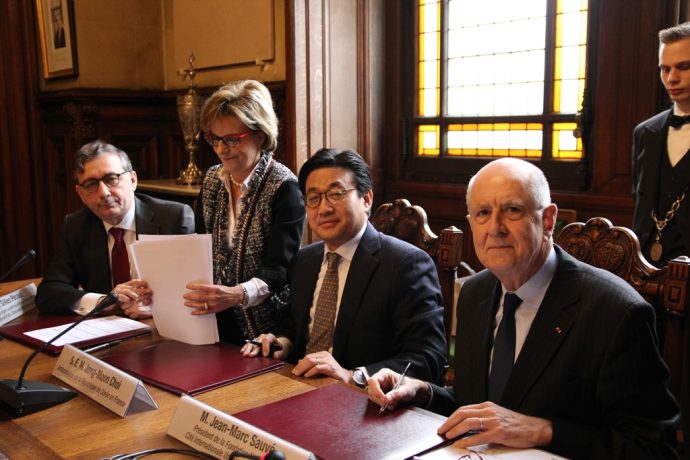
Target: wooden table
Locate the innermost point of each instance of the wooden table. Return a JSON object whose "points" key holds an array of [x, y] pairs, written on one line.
{"points": [[169, 189], [83, 429]]}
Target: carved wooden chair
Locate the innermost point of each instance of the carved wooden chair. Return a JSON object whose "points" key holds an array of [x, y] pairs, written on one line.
{"points": [[409, 223], [617, 250]]}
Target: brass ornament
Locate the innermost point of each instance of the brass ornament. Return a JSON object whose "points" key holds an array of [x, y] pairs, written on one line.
{"points": [[189, 113]]}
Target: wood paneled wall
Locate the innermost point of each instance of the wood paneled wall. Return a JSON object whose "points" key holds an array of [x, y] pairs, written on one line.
{"points": [[39, 131], [21, 212]]}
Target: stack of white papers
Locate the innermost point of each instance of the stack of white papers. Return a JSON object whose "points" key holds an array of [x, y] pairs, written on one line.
{"points": [[168, 263], [87, 330]]}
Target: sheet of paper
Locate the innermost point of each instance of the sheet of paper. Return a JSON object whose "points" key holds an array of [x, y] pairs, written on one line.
{"points": [[489, 452], [168, 263], [86, 330]]}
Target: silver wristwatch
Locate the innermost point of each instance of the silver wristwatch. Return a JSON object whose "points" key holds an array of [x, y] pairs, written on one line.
{"points": [[359, 378]]}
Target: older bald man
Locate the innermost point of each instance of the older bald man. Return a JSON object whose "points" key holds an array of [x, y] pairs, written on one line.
{"points": [[550, 352]]}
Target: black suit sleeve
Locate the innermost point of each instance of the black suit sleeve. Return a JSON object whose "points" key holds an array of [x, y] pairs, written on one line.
{"points": [[187, 223], [59, 288], [199, 223], [415, 322], [284, 238], [638, 414], [635, 164]]}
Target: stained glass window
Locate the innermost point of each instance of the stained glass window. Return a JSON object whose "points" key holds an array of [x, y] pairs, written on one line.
{"points": [[500, 77]]}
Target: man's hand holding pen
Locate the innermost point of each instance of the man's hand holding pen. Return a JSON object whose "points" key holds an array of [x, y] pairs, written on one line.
{"points": [[382, 389], [472, 424], [267, 345]]}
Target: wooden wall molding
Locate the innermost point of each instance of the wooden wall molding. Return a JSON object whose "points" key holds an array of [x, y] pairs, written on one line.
{"points": [[335, 77]]}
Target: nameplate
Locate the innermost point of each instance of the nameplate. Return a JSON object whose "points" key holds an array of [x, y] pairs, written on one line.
{"points": [[209, 430], [105, 384], [16, 303]]}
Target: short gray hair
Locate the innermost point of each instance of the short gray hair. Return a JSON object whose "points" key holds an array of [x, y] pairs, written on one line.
{"points": [[95, 149], [248, 100]]}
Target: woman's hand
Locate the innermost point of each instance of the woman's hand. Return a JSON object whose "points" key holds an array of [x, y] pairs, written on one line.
{"points": [[276, 347], [212, 298]]}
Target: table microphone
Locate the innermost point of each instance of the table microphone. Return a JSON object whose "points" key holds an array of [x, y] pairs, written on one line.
{"points": [[30, 254], [23, 398]]}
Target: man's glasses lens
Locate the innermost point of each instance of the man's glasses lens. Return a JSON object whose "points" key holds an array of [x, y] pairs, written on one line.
{"points": [[333, 196], [110, 180]]}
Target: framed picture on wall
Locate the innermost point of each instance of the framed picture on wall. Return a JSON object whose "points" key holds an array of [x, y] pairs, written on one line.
{"points": [[58, 38]]}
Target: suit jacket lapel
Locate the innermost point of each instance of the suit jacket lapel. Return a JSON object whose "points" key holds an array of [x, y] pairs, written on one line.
{"points": [[303, 295], [477, 319], [145, 218], [97, 254], [653, 153], [362, 267], [549, 329]]}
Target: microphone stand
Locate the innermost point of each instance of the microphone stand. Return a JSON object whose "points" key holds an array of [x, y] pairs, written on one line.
{"points": [[25, 258], [23, 398]]}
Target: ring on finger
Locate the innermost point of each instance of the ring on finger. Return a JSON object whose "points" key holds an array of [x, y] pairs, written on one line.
{"points": [[481, 424], [318, 362], [206, 306]]}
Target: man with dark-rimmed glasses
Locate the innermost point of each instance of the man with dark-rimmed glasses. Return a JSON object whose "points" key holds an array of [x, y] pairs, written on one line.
{"points": [[92, 257], [361, 300]]}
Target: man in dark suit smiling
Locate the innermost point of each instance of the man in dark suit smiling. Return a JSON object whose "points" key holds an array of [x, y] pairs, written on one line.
{"points": [[550, 352], [91, 258], [361, 300]]}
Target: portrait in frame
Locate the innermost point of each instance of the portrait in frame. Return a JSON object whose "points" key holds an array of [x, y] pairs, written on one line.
{"points": [[57, 38]]}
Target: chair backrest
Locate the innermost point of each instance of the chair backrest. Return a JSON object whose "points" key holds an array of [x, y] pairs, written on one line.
{"points": [[617, 250], [409, 223]]}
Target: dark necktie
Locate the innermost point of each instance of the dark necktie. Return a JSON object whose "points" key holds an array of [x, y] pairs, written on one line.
{"points": [[321, 337], [676, 121], [118, 257], [504, 348]]}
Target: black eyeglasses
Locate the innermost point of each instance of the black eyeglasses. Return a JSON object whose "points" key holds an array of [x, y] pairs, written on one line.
{"points": [[334, 195], [110, 180], [471, 455], [231, 140]]}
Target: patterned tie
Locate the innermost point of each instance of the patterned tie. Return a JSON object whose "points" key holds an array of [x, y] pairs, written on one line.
{"points": [[504, 348], [119, 258], [321, 337]]}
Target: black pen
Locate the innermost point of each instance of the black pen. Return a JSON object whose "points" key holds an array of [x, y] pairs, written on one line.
{"points": [[102, 346], [397, 385], [274, 346]]}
